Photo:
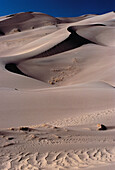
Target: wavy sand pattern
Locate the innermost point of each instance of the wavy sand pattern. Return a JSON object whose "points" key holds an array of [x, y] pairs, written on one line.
{"points": [[56, 84], [58, 160]]}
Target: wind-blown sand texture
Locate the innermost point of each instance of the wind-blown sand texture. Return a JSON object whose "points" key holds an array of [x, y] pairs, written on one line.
{"points": [[56, 84]]}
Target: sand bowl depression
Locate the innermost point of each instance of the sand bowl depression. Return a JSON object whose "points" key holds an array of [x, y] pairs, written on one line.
{"points": [[56, 84]]}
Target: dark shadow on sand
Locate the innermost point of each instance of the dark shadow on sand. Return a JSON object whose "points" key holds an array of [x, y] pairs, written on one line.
{"points": [[110, 127], [72, 42], [12, 67]]}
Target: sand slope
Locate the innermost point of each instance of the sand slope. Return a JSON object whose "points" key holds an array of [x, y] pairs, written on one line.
{"points": [[57, 80]]}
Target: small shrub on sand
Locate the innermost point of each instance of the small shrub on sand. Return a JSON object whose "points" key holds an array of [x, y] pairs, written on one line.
{"points": [[25, 129]]}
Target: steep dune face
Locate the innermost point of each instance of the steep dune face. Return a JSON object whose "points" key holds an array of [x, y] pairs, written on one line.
{"points": [[72, 42], [13, 68], [30, 20], [64, 70], [64, 56], [57, 79], [104, 35], [26, 21]]}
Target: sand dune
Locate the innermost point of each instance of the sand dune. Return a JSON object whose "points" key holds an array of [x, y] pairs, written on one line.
{"points": [[24, 21], [75, 19], [56, 84], [31, 20]]}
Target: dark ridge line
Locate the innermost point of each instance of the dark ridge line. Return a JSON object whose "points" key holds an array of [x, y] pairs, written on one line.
{"points": [[97, 25], [11, 15], [12, 67], [73, 29], [72, 42]]}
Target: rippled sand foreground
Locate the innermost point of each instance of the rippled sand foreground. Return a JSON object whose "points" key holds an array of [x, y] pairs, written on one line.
{"points": [[56, 84]]}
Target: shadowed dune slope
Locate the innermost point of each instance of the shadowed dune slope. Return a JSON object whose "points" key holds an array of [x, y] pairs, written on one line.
{"points": [[73, 41], [13, 68], [56, 84], [93, 36], [25, 21], [60, 57], [30, 20]]}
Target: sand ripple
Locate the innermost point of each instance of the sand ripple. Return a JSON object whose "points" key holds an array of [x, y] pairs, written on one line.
{"points": [[72, 159]]}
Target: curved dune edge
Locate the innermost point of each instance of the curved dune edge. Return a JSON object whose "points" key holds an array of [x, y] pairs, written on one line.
{"points": [[59, 46], [72, 42], [56, 84]]}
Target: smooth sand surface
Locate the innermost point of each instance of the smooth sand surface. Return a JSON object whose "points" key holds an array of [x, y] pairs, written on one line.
{"points": [[56, 84]]}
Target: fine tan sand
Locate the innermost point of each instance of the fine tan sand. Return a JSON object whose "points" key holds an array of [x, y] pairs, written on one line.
{"points": [[56, 84]]}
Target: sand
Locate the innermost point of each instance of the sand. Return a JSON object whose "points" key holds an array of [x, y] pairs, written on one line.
{"points": [[56, 84]]}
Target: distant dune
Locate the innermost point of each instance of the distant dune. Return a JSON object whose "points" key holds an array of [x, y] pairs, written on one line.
{"points": [[57, 82]]}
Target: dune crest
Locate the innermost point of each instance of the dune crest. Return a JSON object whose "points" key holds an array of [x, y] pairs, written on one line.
{"points": [[56, 84]]}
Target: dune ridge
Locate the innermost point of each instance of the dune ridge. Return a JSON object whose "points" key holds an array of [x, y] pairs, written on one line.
{"points": [[56, 84], [73, 41]]}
